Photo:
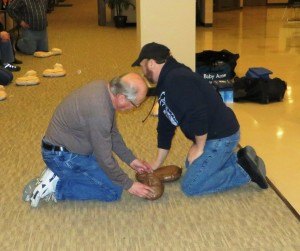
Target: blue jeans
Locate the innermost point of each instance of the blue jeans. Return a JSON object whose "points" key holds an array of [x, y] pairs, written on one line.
{"points": [[80, 177], [6, 52], [32, 41], [216, 169]]}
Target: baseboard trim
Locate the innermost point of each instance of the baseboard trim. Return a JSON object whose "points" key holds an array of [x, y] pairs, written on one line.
{"points": [[276, 4], [131, 24], [208, 25], [285, 201]]}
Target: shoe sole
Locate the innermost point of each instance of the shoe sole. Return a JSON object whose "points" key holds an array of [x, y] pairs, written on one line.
{"points": [[253, 165], [53, 75], [28, 189], [27, 84], [46, 55], [42, 54]]}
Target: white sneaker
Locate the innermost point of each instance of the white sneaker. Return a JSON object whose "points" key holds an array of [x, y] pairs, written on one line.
{"points": [[50, 197], [46, 187], [28, 189]]}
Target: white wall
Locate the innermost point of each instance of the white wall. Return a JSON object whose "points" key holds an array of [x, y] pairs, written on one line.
{"points": [[170, 22]]}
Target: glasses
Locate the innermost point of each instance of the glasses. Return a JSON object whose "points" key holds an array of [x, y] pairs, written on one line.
{"points": [[134, 104]]}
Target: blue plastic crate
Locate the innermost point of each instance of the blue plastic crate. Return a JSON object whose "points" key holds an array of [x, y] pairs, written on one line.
{"points": [[258, 72]]}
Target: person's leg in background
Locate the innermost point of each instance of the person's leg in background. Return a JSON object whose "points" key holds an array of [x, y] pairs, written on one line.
{"points": [[51, 4], [27, 42], [14, 34], [7, 56], [216, 169], [42, 40]]}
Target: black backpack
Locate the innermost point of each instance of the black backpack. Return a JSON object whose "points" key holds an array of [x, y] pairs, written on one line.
{"points": [[259, 90], [216, 65]]}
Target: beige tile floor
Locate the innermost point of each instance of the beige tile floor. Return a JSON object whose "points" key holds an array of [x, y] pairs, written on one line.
{"points": [[263, 39]]}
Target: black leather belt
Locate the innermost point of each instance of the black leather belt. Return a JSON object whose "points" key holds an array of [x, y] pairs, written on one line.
{"points": [[54, 148]]}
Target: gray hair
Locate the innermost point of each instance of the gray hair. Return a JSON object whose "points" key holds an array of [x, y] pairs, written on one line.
{"points": [[118, 86]]}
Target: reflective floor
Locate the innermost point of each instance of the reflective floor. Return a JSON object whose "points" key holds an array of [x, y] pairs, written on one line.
{"points": [[263, 38]]}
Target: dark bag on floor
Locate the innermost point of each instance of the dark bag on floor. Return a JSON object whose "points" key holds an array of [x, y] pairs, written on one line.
{"points": [[216, 65], [5, 77], [259, 90]]}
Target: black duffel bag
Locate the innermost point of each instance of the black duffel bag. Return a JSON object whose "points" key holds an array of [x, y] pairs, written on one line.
{"points": [[259, 90], [216, 65], [5, 77]]}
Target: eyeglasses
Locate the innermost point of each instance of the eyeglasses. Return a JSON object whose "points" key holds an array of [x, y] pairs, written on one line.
{"points": [[134, 104]]}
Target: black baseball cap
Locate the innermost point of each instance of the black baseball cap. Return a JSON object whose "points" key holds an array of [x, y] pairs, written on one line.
{"points": [[154, 51]]}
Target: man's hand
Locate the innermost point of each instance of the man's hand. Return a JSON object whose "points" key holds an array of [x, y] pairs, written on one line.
{"points": [[197, 148], [160, 158], [4, 36], [194, 153], [24, 25], [140, 190], [141, 166]]}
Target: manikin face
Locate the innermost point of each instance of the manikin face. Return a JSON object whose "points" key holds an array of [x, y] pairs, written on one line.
{"points": [[149, 74]]}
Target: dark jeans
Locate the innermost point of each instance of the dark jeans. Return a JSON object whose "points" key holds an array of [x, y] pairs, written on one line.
{"points": [[6, 52], [32, 41]]}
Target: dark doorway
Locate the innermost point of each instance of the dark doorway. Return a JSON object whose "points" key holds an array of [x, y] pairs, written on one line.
{"points": [[222, 5], [255, 2]]}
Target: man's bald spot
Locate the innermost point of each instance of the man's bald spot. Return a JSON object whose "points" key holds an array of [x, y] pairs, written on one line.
{"points": [[136, 81]]}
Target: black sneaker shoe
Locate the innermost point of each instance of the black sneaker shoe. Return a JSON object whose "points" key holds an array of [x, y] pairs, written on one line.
{"points": [[11, 67], [17, 61], [253, 165]]}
